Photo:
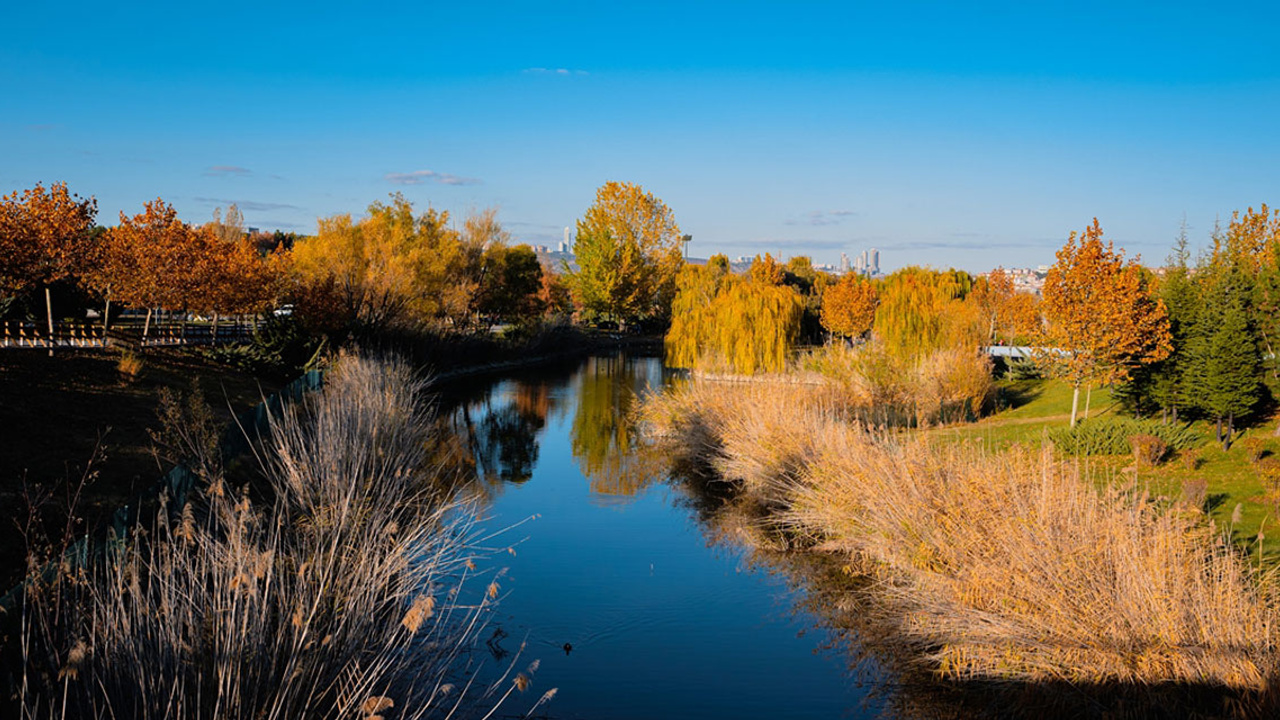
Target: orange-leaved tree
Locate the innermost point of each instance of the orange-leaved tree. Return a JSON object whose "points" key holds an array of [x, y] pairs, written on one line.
{"points": [[151, 260], [1006, 313], [849, 306], [43, 238], [1101, 318]]}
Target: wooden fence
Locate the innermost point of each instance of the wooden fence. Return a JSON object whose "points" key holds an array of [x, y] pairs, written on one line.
{"points": [[17, 334]]}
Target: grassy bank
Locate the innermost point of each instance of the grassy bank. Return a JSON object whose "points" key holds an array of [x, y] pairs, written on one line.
{"points": [[990, 563], [338, 597]]}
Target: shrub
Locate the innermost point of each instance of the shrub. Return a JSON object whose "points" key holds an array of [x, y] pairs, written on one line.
{"points": [[1191, 459], [1269, 470], [1110, 436], [1256, 449], [130, 365], [1148, 449], [1022, 369], [1194, 493]]}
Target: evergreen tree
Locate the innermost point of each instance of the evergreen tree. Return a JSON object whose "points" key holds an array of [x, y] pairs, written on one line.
{"points": [[1222, 374]]}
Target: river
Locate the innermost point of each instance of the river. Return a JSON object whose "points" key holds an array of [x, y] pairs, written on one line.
{"points": [[633, 601]]}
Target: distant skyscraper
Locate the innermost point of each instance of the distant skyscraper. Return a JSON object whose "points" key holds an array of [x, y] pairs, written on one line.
{"points": [[875, 261], [862, 262], [564, 246], [844, 262]]}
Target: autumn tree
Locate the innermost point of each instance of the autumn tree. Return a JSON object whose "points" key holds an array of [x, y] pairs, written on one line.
{"points": [[746, 324], [628, 254], [1006, 313], [1101, 318], [692, 312], [152, 260], [390, 268], [43, 239], [849, 306], [921, 310], [231, 228], [512, 280]]}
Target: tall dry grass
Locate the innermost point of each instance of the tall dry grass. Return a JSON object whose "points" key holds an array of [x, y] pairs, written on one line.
{"points": [[1009, 565], [337, 598], [884, 388]]}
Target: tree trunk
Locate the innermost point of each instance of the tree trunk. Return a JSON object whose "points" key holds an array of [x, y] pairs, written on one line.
{"points": [[48, 307], [1226, 439], [106, 319], [213, 339], [1088, 398], [1175, 413], [146, 326], [1217, 429], [1075, 403]]}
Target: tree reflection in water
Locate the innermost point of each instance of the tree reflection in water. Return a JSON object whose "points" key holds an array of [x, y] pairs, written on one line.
{"points": [[603, 437]]}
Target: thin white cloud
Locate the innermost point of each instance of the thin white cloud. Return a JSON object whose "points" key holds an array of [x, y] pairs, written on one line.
{"points": [[227, 171], [562, 72], [818, 218], [422, 177], [247, 204], [780, 243]]}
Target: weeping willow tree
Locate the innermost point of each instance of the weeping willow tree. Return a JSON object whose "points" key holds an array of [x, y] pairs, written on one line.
{"points": [[691, 319], [922, 310], [747, 325]]}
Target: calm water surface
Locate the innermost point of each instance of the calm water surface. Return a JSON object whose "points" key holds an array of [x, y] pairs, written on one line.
{"points": [[662, 620]]}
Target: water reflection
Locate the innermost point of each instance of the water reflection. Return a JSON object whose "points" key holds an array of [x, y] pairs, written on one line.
{"points": [[603, 438]]}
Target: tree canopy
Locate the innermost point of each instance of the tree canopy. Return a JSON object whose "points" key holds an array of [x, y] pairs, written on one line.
{"points": [[1101, 318], [628, 252]]}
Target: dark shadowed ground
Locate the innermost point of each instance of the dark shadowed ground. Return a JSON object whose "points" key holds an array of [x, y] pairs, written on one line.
{"points": [[56, 413]]}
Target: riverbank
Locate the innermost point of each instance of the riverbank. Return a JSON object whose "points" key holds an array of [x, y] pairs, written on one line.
{"points": [[335, 598], [989, 564], [80, 431]]}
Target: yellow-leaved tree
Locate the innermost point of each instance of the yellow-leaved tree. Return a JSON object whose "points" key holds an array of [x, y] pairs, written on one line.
{"points": [[849, 306], [922, 310], [743, 324], [1101, 318], [628, 254], [692, 318], [394, 268]]}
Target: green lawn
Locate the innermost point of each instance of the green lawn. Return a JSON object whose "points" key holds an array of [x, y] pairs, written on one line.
{"points": [[1035, 406]]}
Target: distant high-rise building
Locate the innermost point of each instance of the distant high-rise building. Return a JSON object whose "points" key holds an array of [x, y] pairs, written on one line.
{"points": [[875, 261], [568, 238], [844, 262], [564, 246]]}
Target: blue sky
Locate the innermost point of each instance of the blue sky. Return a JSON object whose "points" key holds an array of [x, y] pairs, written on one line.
{"points": [[950, 134]]}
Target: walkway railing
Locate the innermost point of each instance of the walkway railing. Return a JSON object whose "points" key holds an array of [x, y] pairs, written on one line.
{"points": [[17, 334]]}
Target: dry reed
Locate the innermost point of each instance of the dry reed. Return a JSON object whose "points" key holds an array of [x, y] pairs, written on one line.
{"points": [[337, 599], [1010, 565]]}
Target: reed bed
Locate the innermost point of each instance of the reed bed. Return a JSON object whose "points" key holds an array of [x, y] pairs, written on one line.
{"points": [[338, 597], [991, 566]]}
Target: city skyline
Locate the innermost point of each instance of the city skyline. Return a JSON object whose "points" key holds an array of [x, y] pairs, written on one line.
{"points": [[965, 136]]}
